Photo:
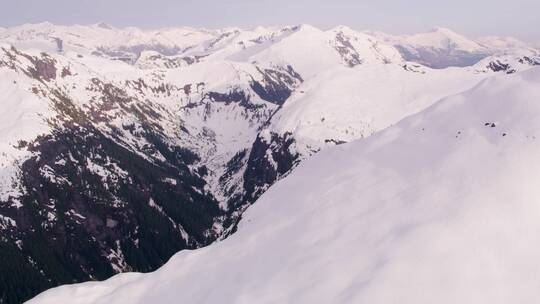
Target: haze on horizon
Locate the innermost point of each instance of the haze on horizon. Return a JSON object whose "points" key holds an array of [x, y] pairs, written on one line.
{"points": [[518, 18]]}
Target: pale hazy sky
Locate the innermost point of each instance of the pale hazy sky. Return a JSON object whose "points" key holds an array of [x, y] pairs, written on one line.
{"points": [[519, 18]]}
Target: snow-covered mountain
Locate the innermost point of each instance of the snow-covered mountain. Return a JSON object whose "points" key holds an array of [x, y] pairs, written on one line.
{"points": [[441, 47], [121, 147], [440, 207]]}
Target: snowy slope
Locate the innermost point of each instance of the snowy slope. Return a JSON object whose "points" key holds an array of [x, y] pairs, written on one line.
{"points": [[22, 119], [336, 47], [346, 104], [441, 47], [104, 38], [443, 38], [438, 208], [341, 105], [507, 45]]}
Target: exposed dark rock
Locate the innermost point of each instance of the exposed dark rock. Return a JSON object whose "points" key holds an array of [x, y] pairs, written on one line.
{"points": [[227, 98], [529, 60], [334, 141], [276, 86], [66, 72], [415, 68], [234, 165], [221, 38], [44, 67], [498, 66], [268, 161], [347, 50], [92, 207]]}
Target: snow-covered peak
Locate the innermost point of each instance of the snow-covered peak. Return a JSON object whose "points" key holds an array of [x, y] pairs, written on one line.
{"points": [[445, 39], [507, 46], [291, 50], [502, 42], [439, 48], [358, 48], [306, 28], [340, 46]]}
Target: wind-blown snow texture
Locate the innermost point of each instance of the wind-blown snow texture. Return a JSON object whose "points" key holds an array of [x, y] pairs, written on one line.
{"points": [[440, 208], [121, 147]]}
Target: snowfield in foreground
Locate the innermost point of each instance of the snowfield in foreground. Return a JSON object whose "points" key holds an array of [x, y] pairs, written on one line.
{"points": [[443, 207]]}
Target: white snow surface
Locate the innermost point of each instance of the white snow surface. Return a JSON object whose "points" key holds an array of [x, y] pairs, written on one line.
{"points": [[22, 119], [443, 38], [437, 38], [508, 45], [440, 208], [346, 104]]}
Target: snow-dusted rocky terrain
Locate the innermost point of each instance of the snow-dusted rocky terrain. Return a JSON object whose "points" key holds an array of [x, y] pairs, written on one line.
{"points": [[440, 208], [121, 147]]}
